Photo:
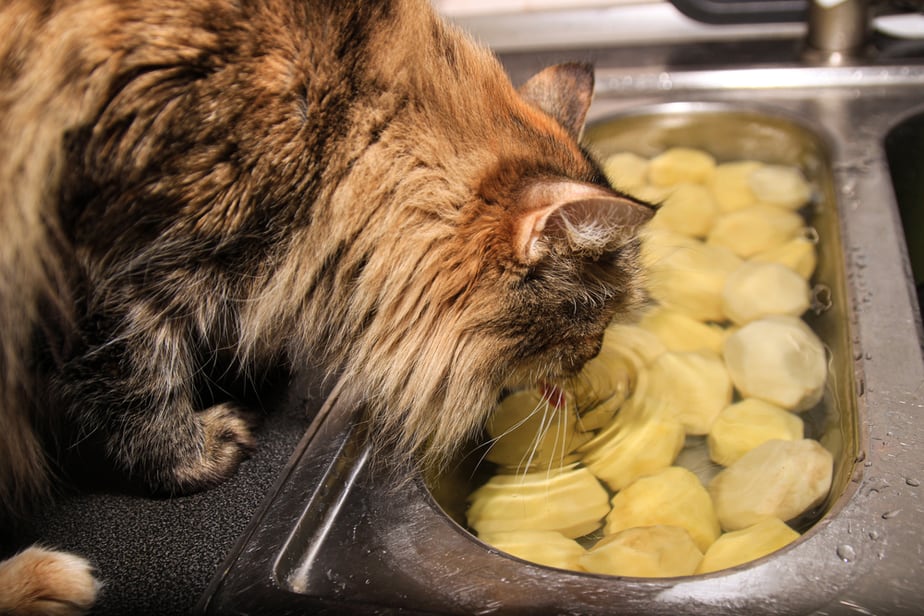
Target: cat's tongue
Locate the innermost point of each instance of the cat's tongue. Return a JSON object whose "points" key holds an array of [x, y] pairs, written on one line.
{"points": [[553, 394]]}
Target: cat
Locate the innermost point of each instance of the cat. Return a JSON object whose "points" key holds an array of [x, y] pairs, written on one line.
{"points": [[192, 188]]}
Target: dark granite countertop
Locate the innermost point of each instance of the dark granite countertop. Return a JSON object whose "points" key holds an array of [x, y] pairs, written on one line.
{"points": [[157, 556]]}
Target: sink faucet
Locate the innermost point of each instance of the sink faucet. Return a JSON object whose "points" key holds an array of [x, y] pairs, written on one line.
{"points": [[837, 30]]}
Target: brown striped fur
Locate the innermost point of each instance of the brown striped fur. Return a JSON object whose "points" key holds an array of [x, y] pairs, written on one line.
{"points": [[222, 187]]}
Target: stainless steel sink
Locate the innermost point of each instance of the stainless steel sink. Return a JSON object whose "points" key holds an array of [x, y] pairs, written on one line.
{"points": [[338, 535]]}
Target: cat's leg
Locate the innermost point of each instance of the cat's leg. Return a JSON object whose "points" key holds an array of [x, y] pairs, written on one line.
{"points": [[44, 582], [135, 396]]}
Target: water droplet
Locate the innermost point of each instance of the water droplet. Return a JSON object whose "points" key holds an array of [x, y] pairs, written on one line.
{"points": [[888, 515], [911, 481], [846, 552]]}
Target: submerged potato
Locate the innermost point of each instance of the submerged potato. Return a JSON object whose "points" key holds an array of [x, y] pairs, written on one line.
{"points": [[750, 543], [648, 551], [689, 275], [780, 185], [754, 229], [545, 547], [530, 432], [778, 359], [626, 170], [757, 290], [569, 500], [689, 209], [672, 497], [799, 254], [691, 387], [744, 425], [681, 332], [639, 448], [779, 479], [678, 165], [731, 184], [602, 385]]}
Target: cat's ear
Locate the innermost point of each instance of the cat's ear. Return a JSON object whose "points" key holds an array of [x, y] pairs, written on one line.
{"points": [[563, 91], [586, 218]]}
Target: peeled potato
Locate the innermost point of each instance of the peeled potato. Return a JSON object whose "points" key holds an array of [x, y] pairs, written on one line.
{"points": [[678, 165], [672, 497], [681, 332], [530, 432], [744, 425], [692, 387], [639, 448], [689, 209], [798, 254], [750, 543], [569, 500], [690, 277], [755, 229], [757, 290], [778, 359], [601, 386], [780, 185], [648, 551], [545, 547], [626, 170], [781, 479], [731, 185], [652, 194], [633, 342]]}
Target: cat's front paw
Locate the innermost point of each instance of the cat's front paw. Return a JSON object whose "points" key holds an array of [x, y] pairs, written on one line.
{"points": [[44, 582], [226, 442]]}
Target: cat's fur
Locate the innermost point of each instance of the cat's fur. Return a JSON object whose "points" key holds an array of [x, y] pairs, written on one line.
{"points": [[191, 188]]}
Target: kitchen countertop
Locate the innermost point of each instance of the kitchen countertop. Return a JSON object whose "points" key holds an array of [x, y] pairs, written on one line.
{"points": [[156, 556]]}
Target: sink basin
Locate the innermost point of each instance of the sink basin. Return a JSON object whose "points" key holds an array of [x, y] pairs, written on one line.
{"points": [[904, 146], [338, 535]]}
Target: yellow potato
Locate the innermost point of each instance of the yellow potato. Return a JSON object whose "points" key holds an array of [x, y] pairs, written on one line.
{"points": [[545, 547], [731, 185], [639, 448], [648, 551], [568, 500], [757, 290], [691, 387], [780, 479], [750, 543], [778, 359], [633, 342], [755, 229], [601, 387], [689, 209], [798, 254], [626, 170], [672, 497], [744, 425], [530, 432], [655, 195], [681, 332], [780, 185], [688, 276], [678, 165]]}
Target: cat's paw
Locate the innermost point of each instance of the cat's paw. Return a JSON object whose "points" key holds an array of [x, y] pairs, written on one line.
{"points": [[227, 441], [44, 582]]}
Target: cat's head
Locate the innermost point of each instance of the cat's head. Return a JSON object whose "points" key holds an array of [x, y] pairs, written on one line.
{"points": [[514, 283]]}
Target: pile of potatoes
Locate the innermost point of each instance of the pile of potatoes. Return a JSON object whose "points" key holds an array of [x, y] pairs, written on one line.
{"points": [[588, 473]]}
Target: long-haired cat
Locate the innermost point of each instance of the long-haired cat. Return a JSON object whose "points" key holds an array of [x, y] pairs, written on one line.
{"points": [[191, 188]]}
